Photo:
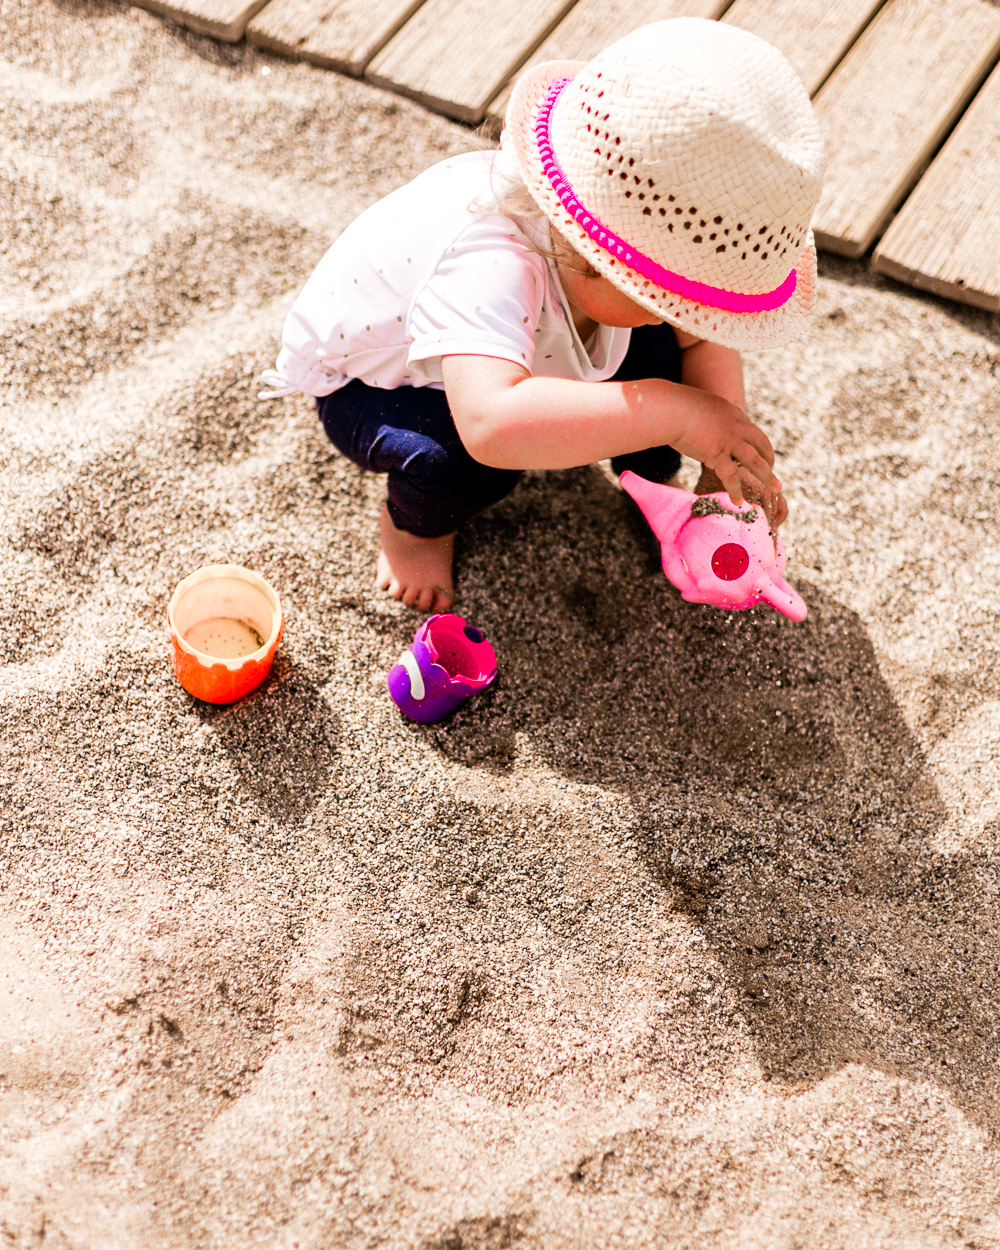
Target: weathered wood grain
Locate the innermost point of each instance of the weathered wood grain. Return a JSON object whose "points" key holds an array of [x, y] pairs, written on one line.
{"points": [[813, 34], [888, 105], [946, 238], [222, 19], [283, 26], [338, 34], [591, 25], [454, 60]]}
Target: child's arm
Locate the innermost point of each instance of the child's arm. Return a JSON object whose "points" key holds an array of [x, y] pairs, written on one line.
{"points": [[710, 367], [510, 420]]}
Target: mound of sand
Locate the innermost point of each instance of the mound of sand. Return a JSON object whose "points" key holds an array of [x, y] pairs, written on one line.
{"points": [[683, 935]]}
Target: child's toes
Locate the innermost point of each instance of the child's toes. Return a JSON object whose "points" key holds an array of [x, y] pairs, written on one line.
{"points": [[436, 600], [383, 573], [411, 596], [390, 585]]}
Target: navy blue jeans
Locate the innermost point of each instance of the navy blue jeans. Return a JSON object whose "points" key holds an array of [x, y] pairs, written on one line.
{"points": [[434, 484]]}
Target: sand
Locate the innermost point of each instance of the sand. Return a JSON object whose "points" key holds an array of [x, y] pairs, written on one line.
{"points": [[684, 935]]}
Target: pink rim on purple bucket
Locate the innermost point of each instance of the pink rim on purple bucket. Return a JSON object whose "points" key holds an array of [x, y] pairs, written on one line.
{"points": [[448, 662]]}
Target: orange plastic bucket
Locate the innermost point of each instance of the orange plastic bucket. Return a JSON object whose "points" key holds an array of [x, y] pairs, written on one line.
{"points": [[225, 625]]}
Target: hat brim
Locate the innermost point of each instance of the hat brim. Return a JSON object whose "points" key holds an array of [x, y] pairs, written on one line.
{"points": [[742, 331]]}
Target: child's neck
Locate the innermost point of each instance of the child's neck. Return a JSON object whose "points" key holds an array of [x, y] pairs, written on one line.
{"points": [[585, 326]]}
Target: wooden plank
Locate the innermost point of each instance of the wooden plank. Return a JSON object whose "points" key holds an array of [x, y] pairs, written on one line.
{"points": [[283, 26], [813, 34], [946, 238], [889, 104], [337, 34], [591, 25], [454, 59], [221, 19]]}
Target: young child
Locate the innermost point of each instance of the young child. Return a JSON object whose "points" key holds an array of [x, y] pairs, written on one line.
{"points": [[581, 293]]}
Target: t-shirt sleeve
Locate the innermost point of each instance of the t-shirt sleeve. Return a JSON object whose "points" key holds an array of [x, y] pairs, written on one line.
{"points": [[484, 298]]}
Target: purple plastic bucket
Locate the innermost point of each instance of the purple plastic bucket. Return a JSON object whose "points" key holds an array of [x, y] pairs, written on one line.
{"points": [[447, 662]]}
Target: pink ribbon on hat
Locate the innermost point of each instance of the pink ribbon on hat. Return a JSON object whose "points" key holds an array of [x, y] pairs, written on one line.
{"points": [[687, 288]]}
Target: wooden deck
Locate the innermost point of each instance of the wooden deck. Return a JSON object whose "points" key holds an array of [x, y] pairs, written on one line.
{"points": [[903, 90]]}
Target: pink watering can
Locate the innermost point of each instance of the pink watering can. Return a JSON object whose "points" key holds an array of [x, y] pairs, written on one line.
{"points": [[714, 552]]}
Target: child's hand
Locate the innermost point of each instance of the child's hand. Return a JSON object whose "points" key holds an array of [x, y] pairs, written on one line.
{"points": [[738, 457], [773, 502], [775, 507], [737, 453]]}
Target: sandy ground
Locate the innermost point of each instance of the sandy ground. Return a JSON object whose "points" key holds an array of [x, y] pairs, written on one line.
{"points": [[685, 935]]}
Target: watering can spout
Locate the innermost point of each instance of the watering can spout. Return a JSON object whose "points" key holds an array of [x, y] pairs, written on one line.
{"points": [[783, 597], [665, 507]]}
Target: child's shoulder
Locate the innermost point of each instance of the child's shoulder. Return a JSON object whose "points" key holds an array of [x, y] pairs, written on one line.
{"points": [[442, 191], [443, 216]]}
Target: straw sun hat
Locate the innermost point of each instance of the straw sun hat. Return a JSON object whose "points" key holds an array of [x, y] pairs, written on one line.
{"points": [[684, 163]]}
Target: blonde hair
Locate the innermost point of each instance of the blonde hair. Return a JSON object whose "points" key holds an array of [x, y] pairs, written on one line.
{"points": [[515, 200]]}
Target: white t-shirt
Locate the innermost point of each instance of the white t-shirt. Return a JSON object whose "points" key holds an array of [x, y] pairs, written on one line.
{"points": [[421, 275]]}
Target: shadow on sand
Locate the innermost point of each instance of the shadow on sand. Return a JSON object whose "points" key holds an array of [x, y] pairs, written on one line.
{"points": [[282, 742], [782, 801]]}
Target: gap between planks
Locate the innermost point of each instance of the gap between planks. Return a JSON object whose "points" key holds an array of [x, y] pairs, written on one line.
{"points": [[813, 34], [453, 59], [341, 35], [591, 25], [946, 238], [886, 108]]}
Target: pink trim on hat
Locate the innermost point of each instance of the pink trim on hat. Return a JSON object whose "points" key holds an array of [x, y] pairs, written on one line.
{"points": [[677, 284]]}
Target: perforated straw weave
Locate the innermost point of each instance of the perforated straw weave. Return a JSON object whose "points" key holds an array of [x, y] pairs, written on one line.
{"points": [[690, 148]]}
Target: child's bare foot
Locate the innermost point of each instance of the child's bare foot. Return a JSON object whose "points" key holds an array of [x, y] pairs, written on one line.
{"points": [[415, 570], [773, 502]]}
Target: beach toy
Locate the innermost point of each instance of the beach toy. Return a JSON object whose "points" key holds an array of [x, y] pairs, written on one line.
{"points": [[225, 624], [447, 662], [714, 552]]}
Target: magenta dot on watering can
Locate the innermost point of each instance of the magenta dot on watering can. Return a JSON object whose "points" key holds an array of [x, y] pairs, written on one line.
{"points": [[730, 561]]}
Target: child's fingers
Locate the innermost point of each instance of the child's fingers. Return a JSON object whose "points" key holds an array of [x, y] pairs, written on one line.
{"points": [[756, 465], [773, 503], [748, 455], [761, 444], [728, 473], [749, 478]]}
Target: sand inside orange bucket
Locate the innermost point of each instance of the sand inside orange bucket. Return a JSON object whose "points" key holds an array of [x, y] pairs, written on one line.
{"points": [[224, 637]]}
